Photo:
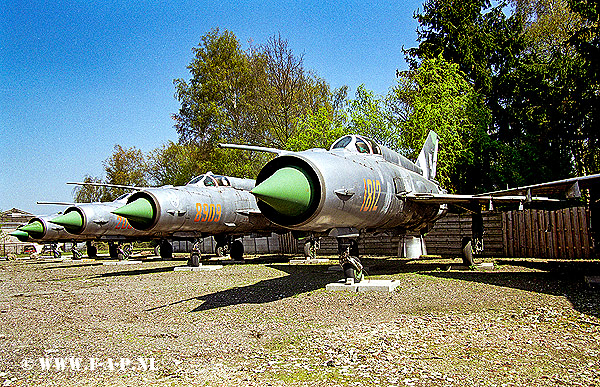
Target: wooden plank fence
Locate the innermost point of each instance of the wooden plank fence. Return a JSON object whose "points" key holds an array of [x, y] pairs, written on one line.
{"points": [[547, 234]]}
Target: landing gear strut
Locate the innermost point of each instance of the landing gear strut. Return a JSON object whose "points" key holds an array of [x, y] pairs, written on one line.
{"points": [[311, 246], [55, 250], [349, 260], [76, 253], [124, 252], [120, 252], [223, 245]]}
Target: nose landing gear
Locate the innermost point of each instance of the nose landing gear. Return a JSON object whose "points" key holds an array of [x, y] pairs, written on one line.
{"points": [[349, 260]]}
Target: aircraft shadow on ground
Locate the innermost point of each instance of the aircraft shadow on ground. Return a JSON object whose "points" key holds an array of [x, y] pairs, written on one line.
{"points": [[135, 272], [299, 279], [559, 278], [62, 266]]}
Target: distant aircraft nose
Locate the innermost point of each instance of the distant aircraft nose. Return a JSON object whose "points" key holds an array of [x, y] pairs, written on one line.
{"points": [[70, 221]]}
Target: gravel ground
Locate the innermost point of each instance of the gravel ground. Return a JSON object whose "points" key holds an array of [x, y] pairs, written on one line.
{"points": [[268, 323]]}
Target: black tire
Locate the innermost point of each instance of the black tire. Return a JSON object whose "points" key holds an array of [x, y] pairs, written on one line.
{"points": [[194, 260], [92, 252], [236, 252], [351, 272], [120, 256], [166, 250], [222, 250], [467, 251], [112, 251]]}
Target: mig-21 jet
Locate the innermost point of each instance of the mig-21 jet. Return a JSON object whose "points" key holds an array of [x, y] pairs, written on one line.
{"points": [[209, 205], [95, 221], [359, 186], [40, 230]]}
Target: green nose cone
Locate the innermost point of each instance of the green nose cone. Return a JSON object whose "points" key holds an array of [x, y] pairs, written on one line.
{"points": [[288, 191], [139, 212], [70, 221], [20, 235], [33, 228]]}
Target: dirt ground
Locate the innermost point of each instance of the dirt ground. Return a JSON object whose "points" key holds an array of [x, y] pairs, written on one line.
{"points": [[268, 323]]}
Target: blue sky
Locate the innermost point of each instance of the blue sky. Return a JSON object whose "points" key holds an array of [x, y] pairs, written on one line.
{"points": [[78, 77]]}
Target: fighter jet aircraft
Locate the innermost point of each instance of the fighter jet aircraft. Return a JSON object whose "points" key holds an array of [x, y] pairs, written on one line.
{"points": [[96, 221], [209, 204], [40, 230], [359, 186]]}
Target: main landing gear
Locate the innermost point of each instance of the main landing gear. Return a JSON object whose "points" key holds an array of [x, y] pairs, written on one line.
{"points": [[349, 260], [473, 245], [76, 253], [227, 245]]}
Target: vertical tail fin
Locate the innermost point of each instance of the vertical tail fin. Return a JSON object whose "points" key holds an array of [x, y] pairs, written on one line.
{"points": [[427, 160]]}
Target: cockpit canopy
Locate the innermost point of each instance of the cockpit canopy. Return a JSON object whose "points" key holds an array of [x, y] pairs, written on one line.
{"points": [[210, 180], [355, 143]]}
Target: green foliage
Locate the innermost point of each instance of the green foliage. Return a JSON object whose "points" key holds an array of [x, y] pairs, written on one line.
{"points": [[370, 117], [534, 66], [586, 42], [439, 98], [126, 166], [214, 103], [89, 193], [175, 164], [477, 36], [262, 96], [318, 130]]}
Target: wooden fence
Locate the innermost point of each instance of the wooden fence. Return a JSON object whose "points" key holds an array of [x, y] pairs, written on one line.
{"points": [[547, 234]]}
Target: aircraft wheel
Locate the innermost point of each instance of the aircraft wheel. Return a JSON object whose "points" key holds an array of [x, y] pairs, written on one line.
{"points": [[237, 250], [194, 260], [166, 250], [113, 251], [351, 272], [222, 250], [92, 252], [467, 250]]}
